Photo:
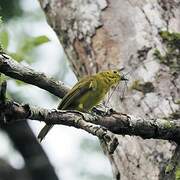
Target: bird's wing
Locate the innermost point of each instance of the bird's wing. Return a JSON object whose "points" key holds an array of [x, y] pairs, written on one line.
{"points": [[77, 91]]}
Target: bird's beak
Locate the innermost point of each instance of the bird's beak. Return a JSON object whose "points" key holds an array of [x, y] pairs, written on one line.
{"points": [[123, 78]]}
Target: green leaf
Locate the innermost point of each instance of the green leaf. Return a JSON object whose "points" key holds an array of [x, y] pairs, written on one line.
{"points": [[4, 39], [40, 40], [33, 42], [17, 56]]}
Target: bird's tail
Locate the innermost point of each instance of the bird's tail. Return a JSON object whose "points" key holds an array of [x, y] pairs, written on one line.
{"points": [[44, 132]]}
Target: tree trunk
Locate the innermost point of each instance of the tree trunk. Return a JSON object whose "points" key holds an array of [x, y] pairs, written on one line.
{"points": [[140, 36]]}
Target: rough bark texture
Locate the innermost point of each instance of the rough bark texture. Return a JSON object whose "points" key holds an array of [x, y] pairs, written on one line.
{"points": [[115, 122], [100, 34]]}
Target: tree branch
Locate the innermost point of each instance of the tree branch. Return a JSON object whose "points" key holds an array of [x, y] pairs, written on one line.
{"points": [[117, 123], [13, 69], [14, 112]]}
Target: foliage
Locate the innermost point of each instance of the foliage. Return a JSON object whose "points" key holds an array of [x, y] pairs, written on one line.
{"points": [[27, 45], [171, 58], [177, 173], [4, 39], [33, 42]]}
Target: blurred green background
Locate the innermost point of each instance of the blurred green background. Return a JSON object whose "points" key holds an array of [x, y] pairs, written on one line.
{"points": [[25, 35]]}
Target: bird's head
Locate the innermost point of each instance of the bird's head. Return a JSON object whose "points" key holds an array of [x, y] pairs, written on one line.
{"points": [[113, 76]]}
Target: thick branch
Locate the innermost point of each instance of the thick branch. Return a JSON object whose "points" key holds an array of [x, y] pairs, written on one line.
{"points": [[15, 112], [11, 68], [116, 122]]}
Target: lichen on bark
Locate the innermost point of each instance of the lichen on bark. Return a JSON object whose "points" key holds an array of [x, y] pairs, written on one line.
{"points": [[75, 22], [171, 57]]}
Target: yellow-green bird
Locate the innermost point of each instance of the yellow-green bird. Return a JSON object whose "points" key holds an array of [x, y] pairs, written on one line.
{"points": [[87, 93]]}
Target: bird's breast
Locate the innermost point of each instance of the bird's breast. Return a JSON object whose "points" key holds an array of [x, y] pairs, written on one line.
{"points": [[92, 98]]}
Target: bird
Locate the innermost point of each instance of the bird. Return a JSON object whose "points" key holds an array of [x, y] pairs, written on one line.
{"points": [[87, 93]]}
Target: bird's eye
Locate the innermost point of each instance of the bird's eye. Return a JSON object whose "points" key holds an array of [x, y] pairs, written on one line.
{"points": [[115, 72]]}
